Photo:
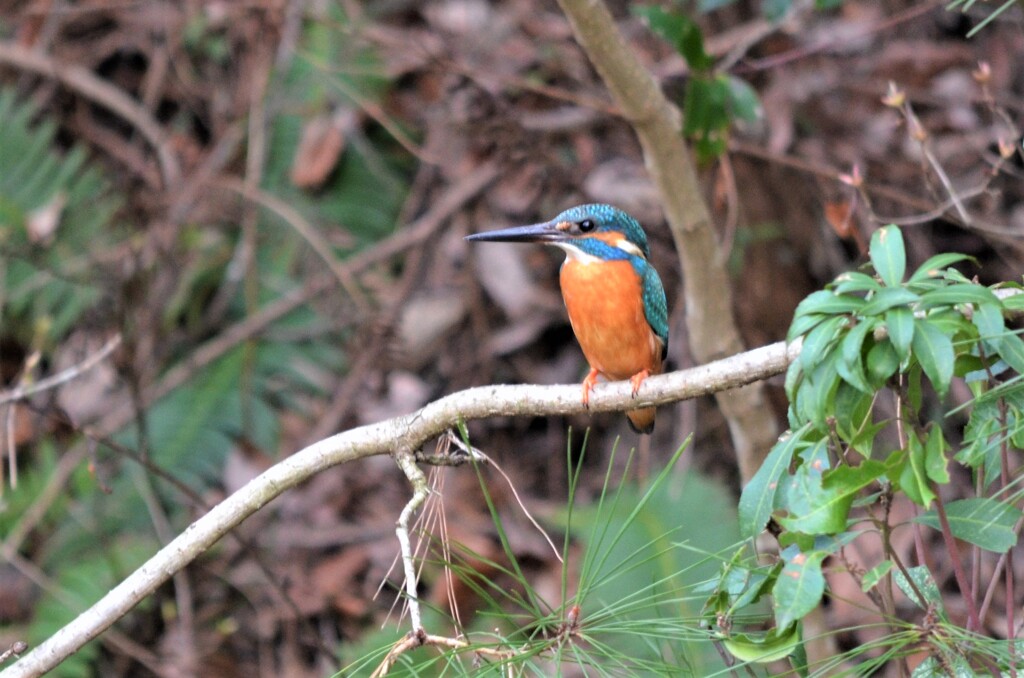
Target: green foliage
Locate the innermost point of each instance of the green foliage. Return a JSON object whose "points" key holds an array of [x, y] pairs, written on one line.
{"points": [[870, 339], [966, 5], [90, 537], [983, 521], [713, 102], [327, 74], [56, 217], [680, 31]]}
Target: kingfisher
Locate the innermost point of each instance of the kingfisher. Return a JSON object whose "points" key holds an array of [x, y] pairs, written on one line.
{"points": [[614, 297]]}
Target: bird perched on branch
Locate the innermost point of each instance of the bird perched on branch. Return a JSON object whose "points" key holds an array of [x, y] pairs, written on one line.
{"points": [[614, 297]]}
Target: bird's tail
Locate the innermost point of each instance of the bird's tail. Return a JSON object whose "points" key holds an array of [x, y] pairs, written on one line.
{"points": [[642, 420]]}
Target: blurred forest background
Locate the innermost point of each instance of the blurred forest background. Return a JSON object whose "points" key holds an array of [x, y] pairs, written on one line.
{"points": [[266, 200]]}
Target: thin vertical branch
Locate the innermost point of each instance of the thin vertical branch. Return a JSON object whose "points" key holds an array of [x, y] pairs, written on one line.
{"points": [[407, 462], [973, 623], [1004, 482], [706, 284]]}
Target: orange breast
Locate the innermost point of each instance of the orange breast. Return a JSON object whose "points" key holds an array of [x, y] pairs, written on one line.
{"points": [[606, 310]]}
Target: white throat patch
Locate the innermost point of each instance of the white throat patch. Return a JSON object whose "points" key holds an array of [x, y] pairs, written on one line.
{"points": [[573, 253]]}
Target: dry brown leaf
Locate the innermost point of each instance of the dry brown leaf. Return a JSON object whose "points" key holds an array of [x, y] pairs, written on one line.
{"points": [[839, 214], [338, 579], [319, 150]]}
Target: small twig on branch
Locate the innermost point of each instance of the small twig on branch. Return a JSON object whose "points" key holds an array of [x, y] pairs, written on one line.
{"points": [[407, 432], [414, 640], [306, 231], [14, 650], [22, 391], [405, 460], [62, 377]]}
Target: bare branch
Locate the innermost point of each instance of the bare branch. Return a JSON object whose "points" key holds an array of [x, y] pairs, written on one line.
{"points": [[306, 230], [63, 376], [407, 432]]}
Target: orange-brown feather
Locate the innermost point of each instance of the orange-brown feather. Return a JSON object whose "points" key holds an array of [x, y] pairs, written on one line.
{"points": [[605, 305]]}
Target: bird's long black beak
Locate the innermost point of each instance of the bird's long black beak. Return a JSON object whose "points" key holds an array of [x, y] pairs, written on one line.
{"points": [[546, 232]]}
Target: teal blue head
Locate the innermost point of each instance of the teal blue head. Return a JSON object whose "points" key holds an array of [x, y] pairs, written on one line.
{"points": [[598, 233], [596, 230]]}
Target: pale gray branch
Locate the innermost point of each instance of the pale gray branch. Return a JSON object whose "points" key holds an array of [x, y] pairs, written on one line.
{"points": [[62, 377], [407, 432]]}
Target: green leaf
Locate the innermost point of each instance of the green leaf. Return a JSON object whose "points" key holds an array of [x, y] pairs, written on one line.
{"points": [[914, 478], [1014, 302], [710, 144], [855, 281], [951, 665], [864, 441], [853, 411], [1011, 349], [988, 319], [888, 255], [706, 117], [900, 324], [758, 497], [763, 647], [981, 444], [799, 587], [882, 362], [738, 586], [964, 293], [851, 367], [815, 457], [802, 324], [819, 341], [794, 377], [816, 395], [743, 103], [982, 521], [830, 303], [933, 267], [951, 275], [823, 509], [886, 298], [915, 388], [680, 31], [875, 575], [704, 107], [935, 461], [934, 351], [924, 582]]}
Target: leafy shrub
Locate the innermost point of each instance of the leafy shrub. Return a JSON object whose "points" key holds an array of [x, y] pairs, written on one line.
{"points": [[878, 342]]}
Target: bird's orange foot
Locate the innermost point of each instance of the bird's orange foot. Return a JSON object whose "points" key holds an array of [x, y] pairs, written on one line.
{"points": [[588, 384], [638, 379]]}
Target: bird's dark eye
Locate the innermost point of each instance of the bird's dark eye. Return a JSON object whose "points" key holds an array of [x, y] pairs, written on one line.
{"points": [[587, 225]]}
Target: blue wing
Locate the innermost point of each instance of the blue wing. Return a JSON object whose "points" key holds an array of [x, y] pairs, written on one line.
{"points": [[655, 304]]}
